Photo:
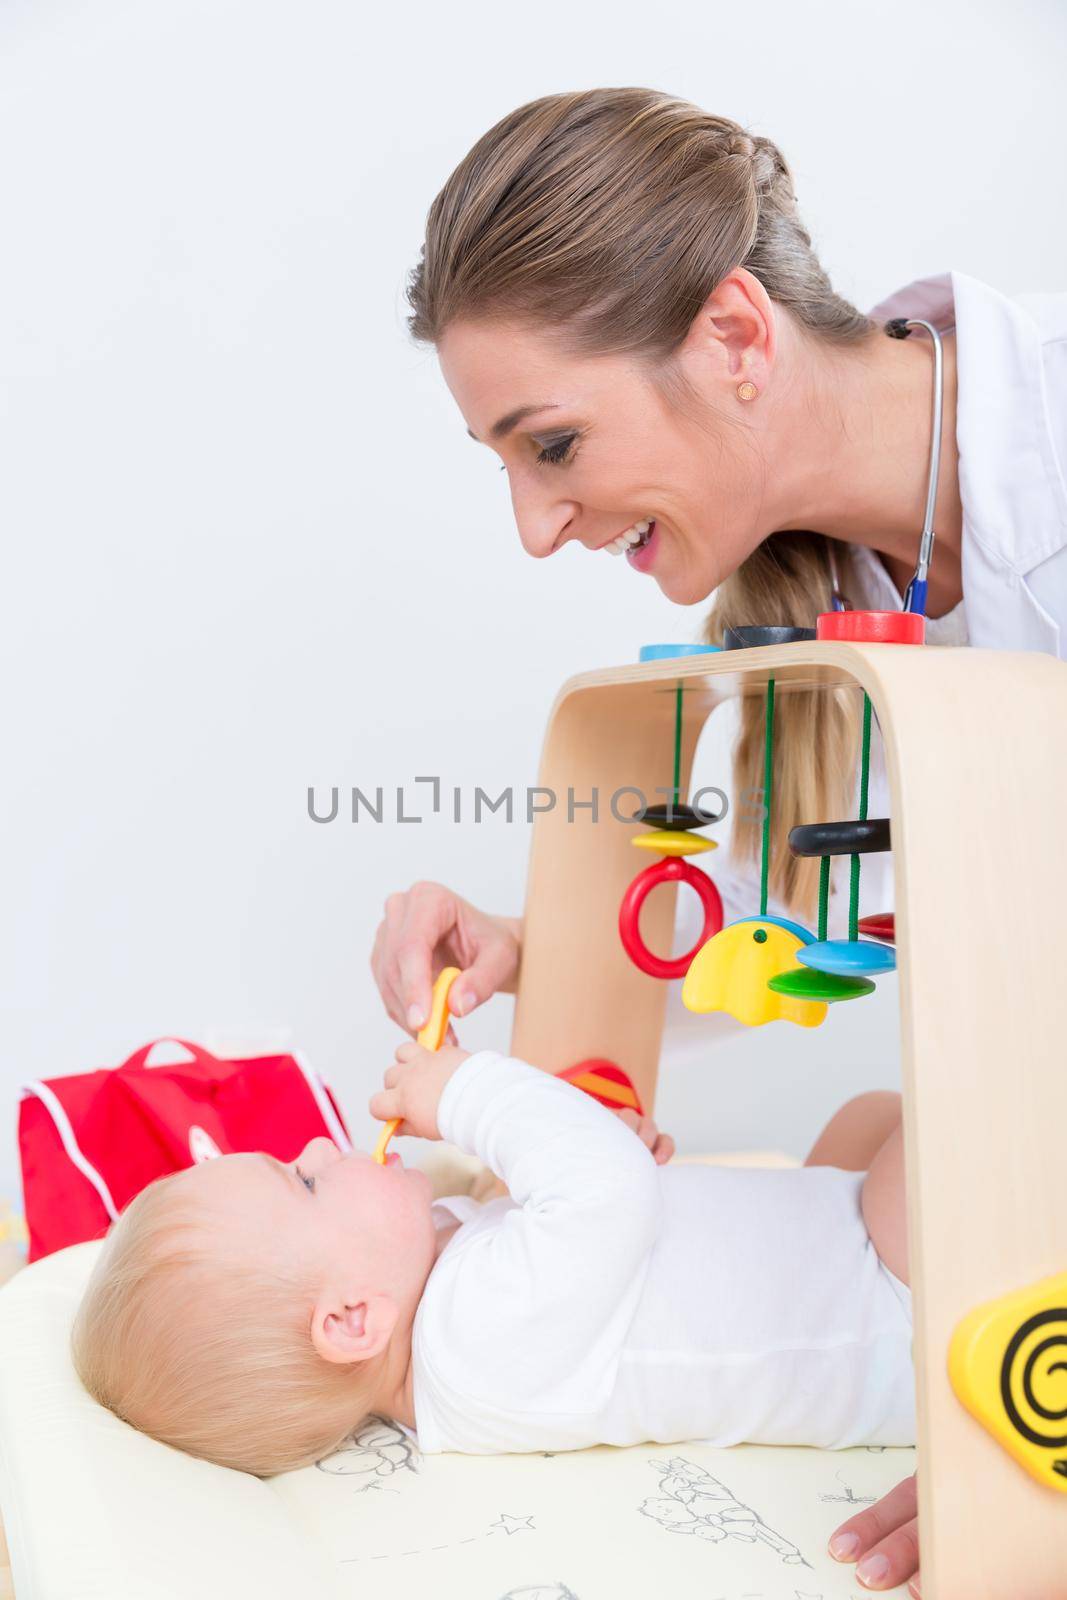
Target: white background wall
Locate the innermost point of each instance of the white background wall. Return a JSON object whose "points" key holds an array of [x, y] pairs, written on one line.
{"points": [[247, 545]]}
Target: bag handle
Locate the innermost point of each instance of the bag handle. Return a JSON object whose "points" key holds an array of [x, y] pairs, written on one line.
{"points": [[198, 1053]]}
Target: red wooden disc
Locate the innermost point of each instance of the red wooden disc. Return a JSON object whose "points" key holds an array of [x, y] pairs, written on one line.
{"points": [[883, 926], [872, 627], [602, 1080]]}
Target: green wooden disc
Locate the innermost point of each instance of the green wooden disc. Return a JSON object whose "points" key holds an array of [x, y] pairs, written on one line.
{"points": [[804, 983]]}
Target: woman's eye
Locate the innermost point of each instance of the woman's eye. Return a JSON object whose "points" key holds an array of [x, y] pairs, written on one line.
{"points": [[305, 1179], [555, 454]]}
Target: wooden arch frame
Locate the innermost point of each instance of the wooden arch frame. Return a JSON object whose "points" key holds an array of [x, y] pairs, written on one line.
{"points": [[976, 749]]}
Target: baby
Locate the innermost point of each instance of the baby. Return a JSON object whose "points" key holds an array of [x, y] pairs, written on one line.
{"points": [[254, 1313]]}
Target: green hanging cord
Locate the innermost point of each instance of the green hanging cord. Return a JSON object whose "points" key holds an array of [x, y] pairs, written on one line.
{"points": [[865, 777], [824, 895], [768, 775], [678, 744]]}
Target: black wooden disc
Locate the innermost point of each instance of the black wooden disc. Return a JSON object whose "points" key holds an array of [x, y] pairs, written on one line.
{"points": [[679, 819], [751, 638], [841, 838]]}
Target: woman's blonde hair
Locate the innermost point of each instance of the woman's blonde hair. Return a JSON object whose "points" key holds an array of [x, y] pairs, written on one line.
{"points": [[605, 219], [181, 1335]]}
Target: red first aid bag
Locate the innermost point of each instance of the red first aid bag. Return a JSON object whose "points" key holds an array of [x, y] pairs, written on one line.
{"points": [[90, 1142]]}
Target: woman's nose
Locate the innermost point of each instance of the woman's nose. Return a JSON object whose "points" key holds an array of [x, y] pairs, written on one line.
{"points": [[540, 529]]}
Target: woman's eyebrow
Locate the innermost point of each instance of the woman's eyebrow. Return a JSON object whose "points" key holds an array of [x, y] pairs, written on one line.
{"points": [[504, 426]]}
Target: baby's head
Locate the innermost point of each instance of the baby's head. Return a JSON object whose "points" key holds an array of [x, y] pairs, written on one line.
{"points": [[253, 1312]]}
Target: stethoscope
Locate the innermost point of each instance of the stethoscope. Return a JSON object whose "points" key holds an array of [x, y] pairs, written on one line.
{"points": [[915, 593]]}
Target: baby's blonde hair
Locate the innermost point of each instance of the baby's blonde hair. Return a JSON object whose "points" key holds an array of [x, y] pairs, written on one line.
{"points": [[184, 1337]]}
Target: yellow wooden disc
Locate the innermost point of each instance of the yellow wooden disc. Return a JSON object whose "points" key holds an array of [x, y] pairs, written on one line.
{"points": [[1008, 1365], [670, 842]]}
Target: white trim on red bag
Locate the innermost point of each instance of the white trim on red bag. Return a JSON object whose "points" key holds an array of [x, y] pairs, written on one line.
{"points": [[324, 1103], [70, 1144]]}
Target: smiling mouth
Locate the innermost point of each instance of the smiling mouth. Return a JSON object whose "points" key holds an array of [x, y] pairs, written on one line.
{"points": [[631, 539]]}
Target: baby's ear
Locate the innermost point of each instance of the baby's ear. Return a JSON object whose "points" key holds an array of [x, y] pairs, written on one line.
{"points": [[344, 1333]]}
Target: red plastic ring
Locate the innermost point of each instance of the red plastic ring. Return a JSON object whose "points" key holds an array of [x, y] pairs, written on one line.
{"points": [[669, 869], [872, 627]]}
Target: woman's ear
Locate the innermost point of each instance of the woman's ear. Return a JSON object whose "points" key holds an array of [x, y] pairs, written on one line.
{"points": [[736, 327], [344, 1332]]}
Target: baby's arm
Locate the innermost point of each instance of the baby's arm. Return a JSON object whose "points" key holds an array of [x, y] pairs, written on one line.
{"points": [[534, 1299]]}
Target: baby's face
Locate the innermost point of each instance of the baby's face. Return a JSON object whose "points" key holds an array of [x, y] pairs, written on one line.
{"points": [[343, 1217]]}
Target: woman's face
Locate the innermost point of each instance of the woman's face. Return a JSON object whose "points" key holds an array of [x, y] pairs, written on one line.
{"points": [[601, 450]]}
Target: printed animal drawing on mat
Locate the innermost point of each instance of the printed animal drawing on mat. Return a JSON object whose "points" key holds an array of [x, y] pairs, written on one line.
{"points": [[692, 1501], [375, 1452]]}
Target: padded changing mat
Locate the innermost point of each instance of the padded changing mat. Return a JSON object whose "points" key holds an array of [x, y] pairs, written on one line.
{"points": [[94, 1509]]}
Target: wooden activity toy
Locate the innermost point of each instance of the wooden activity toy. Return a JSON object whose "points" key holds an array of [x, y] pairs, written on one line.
{"points": [[978, 948]]}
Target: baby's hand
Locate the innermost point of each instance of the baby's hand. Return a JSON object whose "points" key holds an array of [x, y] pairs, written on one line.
{"points": [[413, 1088], [660, 1144]]}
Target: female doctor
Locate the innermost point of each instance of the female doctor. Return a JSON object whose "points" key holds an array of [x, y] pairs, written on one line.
{"points": [[628, 310]]}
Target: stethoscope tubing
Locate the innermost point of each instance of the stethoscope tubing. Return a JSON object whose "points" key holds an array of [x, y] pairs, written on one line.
{"points": [[915, 595]]}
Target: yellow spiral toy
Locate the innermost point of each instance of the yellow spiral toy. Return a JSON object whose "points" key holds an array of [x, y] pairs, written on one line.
{"points": [[1008, 1364], [431, 1037]]}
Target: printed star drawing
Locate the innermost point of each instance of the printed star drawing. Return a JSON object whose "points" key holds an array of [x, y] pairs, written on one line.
{"points": [[693, 1502]]}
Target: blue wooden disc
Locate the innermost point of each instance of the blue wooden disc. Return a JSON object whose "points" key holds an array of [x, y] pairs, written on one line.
{"points": [[670, 652], [780, 922], [850, 958]]}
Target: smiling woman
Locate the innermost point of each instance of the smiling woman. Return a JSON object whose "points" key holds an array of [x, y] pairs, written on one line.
{"points": [[641, 266]]}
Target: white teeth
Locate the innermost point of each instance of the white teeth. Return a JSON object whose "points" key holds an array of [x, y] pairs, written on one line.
{"points": [[627, 540]]}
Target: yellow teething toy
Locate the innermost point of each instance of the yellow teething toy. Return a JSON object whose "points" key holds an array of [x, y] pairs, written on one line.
{"points": [[431, 1037]]}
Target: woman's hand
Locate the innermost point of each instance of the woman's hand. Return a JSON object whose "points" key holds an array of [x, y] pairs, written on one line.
{"points": [[429, 928], [660, 1144], [413, 1088], [884, 1541]]}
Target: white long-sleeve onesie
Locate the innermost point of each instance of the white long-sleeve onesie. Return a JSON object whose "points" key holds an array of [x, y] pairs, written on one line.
{"points": [[613, 1301]]}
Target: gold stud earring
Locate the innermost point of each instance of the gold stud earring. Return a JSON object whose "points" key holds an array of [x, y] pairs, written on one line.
{"points": [[747, 390]]}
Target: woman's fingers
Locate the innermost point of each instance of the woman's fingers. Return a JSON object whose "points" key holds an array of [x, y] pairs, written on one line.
{"points": [[414, 961], [893, 1559], [882, 1540], [380, 974], [382, 962], [490, 970], [416, 923]]}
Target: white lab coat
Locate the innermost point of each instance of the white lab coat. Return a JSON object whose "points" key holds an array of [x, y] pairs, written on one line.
{"points": [[1011, 431]]}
